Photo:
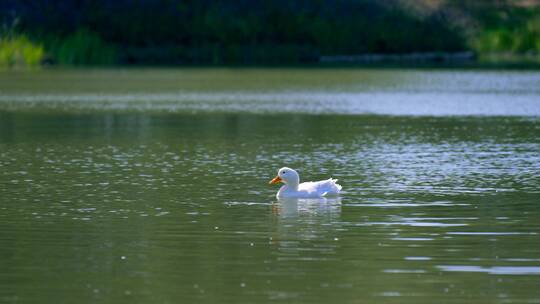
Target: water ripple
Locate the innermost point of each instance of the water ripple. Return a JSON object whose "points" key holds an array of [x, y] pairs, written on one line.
{"points": [[496, 270]]}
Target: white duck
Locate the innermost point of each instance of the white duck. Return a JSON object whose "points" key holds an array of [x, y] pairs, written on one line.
{"points": [[293, 188]]}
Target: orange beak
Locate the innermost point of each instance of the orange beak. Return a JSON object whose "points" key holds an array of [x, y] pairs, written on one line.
{"points": [[276, 180]]}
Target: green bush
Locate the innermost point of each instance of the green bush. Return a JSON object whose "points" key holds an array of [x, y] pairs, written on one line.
{"points": [[499, 40], [18, 50], [82, 48], [511, 37], [503, 40]]}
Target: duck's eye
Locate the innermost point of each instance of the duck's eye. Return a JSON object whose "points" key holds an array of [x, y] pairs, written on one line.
{"points": [[283, 172]]}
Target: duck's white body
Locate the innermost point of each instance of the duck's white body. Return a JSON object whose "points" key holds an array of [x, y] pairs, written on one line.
{"points": [[294, 189], [310, 189]]}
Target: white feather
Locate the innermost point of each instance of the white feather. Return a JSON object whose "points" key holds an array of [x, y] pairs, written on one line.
{"points": [[294, 189]]}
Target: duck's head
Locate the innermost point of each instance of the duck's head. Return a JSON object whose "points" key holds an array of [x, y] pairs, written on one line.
{"points": [[287, 176]]}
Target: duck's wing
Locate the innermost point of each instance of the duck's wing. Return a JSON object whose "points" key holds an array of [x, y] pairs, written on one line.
{"points": [[322, 188]]}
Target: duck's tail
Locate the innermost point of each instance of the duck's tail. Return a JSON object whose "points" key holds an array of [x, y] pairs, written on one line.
{"points": [[334, 180]]}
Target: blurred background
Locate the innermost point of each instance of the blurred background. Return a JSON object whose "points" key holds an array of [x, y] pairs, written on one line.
{"points": [[210, 32]]}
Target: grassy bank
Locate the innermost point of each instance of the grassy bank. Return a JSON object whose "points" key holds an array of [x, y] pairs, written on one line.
{"points": [[212, 32]]}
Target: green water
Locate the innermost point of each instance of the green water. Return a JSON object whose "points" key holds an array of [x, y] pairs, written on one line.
{"points": [[151, 186]]}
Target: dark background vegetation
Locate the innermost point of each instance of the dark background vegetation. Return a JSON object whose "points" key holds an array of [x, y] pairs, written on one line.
{"points": [[268, 32]]}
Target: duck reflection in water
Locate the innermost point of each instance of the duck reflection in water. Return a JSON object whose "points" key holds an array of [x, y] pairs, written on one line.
{"points": [[297, 221], [294, 207]]}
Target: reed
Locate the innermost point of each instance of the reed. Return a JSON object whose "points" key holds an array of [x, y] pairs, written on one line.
{"points": [[19, 51]]}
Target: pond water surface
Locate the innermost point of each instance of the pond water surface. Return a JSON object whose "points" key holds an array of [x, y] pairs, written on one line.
{"points": [[151, 186]]}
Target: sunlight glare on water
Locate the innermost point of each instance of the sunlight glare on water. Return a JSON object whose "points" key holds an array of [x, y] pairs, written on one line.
{"points": [[323, 91]]}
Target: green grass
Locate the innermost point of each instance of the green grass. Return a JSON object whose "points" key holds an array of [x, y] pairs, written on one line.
{"points": [[19, 51], [81, 48]]}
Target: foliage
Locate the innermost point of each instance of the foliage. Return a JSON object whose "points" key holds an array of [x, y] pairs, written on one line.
{"points": [[219, 31], [81, 48], [520, 38], [18, 51], [260, 31]]}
